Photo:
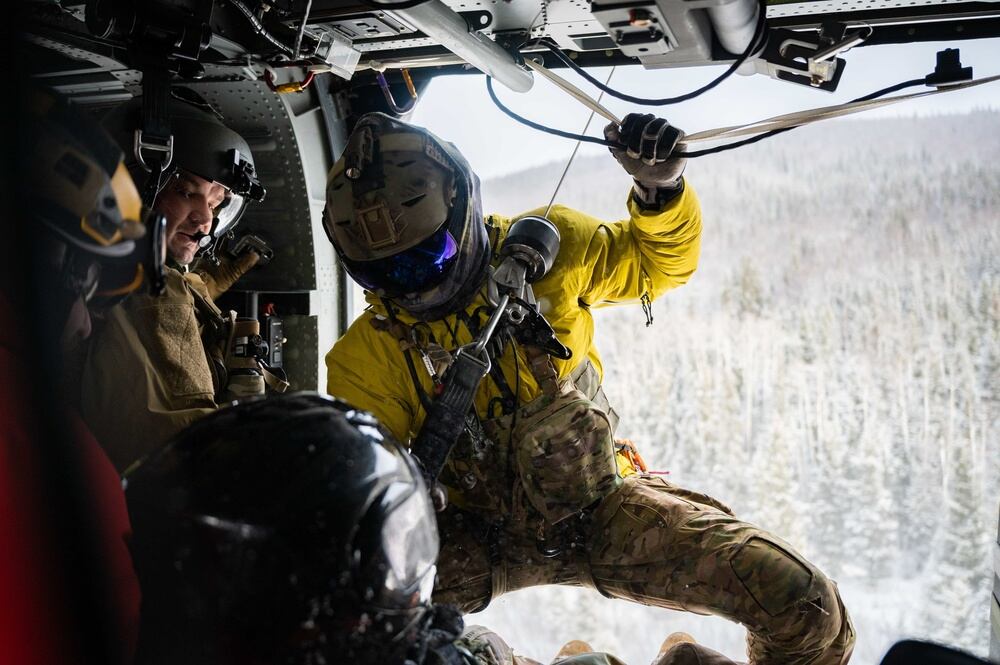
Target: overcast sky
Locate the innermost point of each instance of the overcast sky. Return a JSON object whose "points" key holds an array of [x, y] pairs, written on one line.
{"points": [[457, 108]]}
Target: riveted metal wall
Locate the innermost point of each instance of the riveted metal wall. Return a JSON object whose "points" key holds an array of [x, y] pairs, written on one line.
{"points": [[283, 219], [290, 141]]}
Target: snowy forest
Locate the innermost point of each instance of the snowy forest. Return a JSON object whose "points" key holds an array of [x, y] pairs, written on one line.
{"points": [[831, 372]]}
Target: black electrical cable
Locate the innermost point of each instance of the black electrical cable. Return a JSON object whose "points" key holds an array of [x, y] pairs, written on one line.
{"points": [[774, 132], [892, 88], [259, 27], [302, 30], [687, 155], [755, 44], [543, 128]]}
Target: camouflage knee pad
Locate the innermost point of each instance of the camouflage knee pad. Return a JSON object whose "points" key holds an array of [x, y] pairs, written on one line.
{"points": [[802, 614]]}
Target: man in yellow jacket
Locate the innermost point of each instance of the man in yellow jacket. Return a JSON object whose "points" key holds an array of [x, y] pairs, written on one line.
{"points": [[538, 494]]}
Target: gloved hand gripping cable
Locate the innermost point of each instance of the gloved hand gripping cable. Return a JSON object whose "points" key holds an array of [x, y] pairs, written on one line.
{"points": [[757, 130]]}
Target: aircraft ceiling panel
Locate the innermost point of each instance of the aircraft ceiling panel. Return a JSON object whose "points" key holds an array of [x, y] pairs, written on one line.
{"points": [[814, 7]]}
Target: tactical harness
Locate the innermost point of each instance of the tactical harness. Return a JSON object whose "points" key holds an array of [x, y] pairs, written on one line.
{"points": [[555, 453]]}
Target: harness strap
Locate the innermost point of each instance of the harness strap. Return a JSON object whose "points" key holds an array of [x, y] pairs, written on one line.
{"points": [[508, 400], [401, 332], [215, 327], [541, 367], [153, 145]]}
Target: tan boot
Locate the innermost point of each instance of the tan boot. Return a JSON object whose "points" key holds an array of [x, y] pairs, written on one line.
{"points": [[681, 649], [573, 648], [673, 639]]}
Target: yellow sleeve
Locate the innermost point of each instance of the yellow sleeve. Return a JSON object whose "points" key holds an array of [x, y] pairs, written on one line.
{"points": [[650, 253], [366, 369]]}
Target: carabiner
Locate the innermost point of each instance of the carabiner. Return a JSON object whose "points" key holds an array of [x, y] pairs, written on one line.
{"points": [[396, 108], [291, 86]]}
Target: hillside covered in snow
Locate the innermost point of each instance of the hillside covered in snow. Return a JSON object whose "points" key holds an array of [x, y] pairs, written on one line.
{"points": [[832, 372]]}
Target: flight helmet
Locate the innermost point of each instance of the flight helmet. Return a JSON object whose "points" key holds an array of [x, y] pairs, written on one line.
{"points": [[99, 240], [404, 212], [202, 145], [283, 530]]}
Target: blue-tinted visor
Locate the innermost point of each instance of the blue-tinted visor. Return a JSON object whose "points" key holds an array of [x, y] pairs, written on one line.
{"points": [[420, 268]]}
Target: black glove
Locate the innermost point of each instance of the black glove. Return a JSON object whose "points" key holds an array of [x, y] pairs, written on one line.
{"points": [[649, 143]]}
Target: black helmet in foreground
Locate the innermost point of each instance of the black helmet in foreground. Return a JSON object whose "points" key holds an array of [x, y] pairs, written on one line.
{"points": [[282, 530]]}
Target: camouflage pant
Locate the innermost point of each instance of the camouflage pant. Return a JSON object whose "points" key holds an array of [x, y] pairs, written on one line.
{"points": [[658, 544]]}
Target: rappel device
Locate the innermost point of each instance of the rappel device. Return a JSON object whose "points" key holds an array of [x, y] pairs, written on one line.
{"points": [[527, 254]]}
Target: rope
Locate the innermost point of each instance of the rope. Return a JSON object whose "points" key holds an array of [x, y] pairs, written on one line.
{"points": [[593, 110], [760, 127]]}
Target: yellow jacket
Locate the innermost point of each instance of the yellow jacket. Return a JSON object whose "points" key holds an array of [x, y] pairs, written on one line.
{"points": [[599, 263]]}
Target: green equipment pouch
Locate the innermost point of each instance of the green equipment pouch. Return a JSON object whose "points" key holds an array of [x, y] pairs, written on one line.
{"points": [[565, 453]]}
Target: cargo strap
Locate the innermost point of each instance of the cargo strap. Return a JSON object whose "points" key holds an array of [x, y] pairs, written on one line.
{"points": [[214, 333], [153, 144]]}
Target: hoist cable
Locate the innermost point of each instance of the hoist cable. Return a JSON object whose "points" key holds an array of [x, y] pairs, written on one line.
{"points": [[762, 128], [573, 91], [752, 47], [774, 132], [783, 123], [576, 147]]}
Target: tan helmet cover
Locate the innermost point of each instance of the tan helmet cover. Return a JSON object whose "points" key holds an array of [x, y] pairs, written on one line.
{"points": [[392, 188]]}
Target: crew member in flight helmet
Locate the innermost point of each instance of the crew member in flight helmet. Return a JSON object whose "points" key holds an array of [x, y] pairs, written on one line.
{"points": [[162, 363], [538, 491], [79, 239], [293, 530]]}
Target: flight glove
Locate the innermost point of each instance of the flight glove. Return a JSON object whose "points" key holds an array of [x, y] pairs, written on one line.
{"points": [[222, 273], [649, 143]]}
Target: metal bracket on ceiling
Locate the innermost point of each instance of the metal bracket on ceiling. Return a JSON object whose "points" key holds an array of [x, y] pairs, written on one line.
{"points": [[809, 58]]}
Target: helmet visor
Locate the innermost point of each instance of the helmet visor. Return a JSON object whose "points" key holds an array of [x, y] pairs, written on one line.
{"points": [[409, 548], [419, 268], [228, 213]]}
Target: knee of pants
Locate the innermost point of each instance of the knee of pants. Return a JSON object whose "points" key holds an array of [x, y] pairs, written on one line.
{"points": [[798, 607]]}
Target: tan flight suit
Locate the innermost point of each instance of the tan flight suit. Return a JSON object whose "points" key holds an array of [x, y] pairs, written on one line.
{"points": [[531, 505], [148, 373]]}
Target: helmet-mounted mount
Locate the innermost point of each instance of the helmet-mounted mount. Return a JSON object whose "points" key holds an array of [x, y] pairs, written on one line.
{"points": [[172, 130], [404, 214]]}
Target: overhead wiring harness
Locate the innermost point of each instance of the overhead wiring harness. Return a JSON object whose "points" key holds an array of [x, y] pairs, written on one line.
{"points": [[753, 47]]}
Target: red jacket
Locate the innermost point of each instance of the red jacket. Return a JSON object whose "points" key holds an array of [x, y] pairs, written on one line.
{"points": [[35, 623]]}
